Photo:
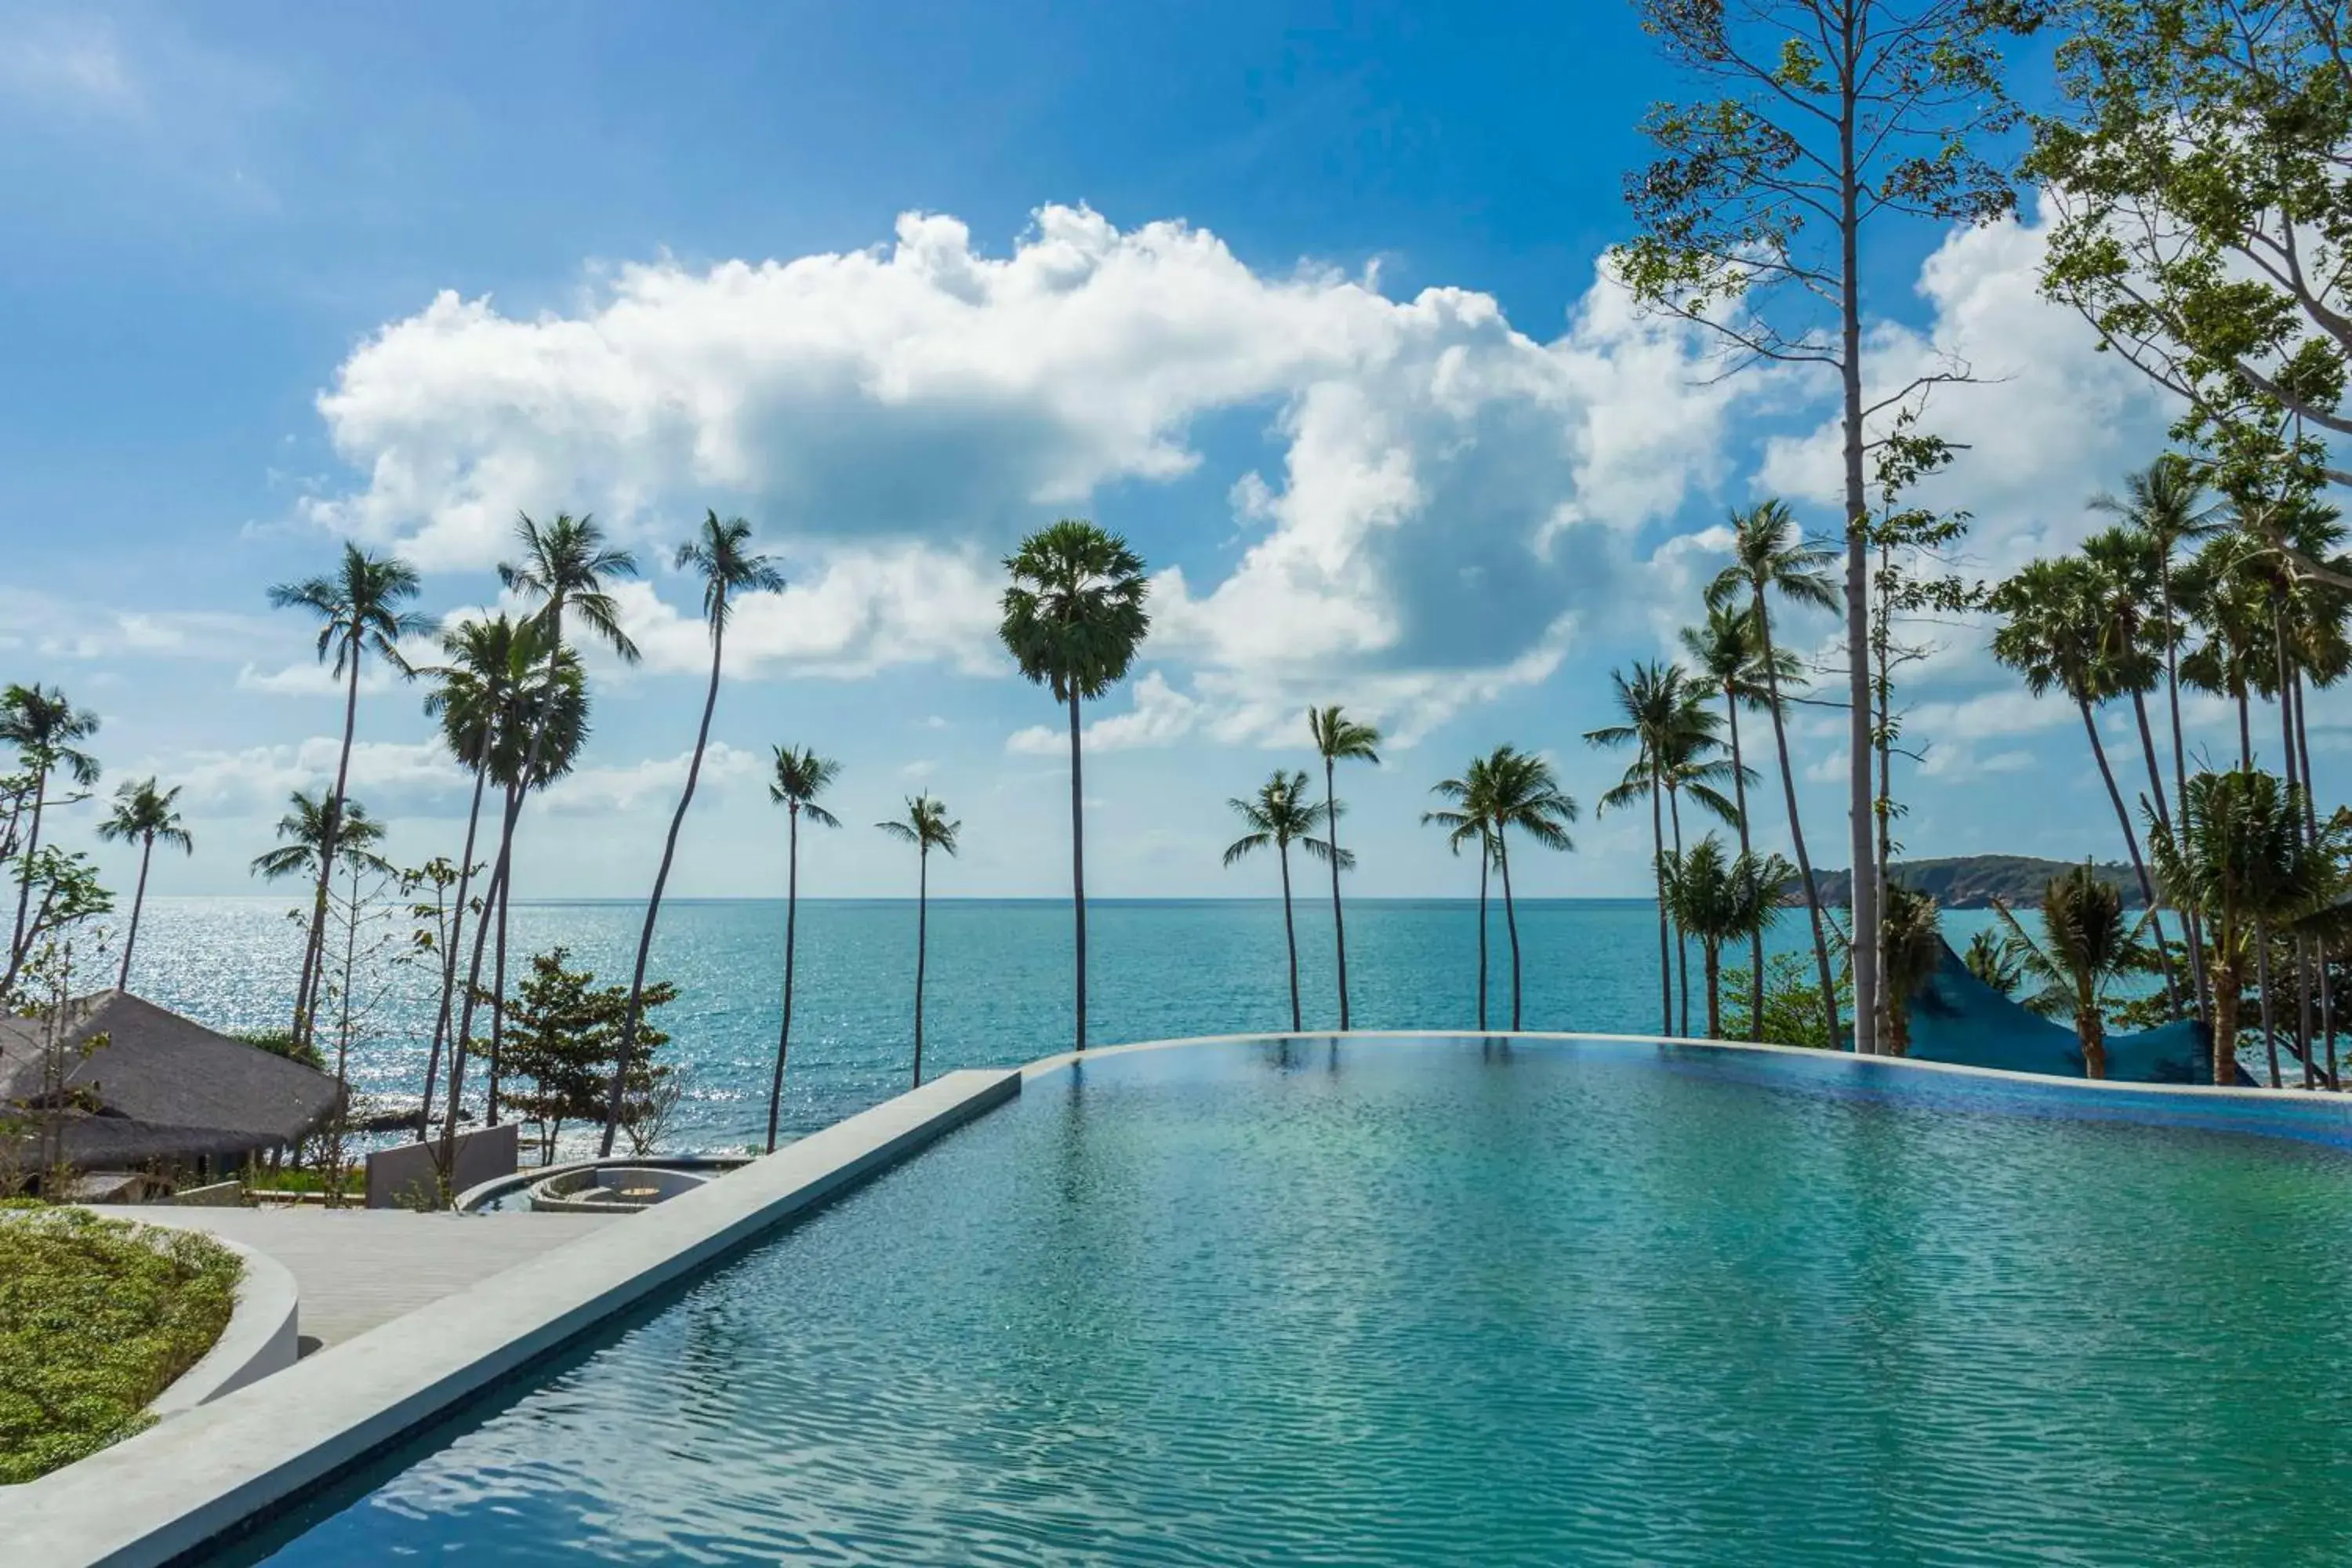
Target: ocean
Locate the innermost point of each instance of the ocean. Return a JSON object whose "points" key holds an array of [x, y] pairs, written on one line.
{"points": [[997, 989]]}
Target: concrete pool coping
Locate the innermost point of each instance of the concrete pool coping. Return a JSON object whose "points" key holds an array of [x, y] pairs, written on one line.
{"points": [[263, 1336], [188, 1483]]}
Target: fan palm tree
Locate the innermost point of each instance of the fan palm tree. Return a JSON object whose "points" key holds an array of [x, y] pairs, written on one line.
{"points": [[1339, 739], [1988, 959], [359, 608], [1771, 557], [1719, 897], [47, 731], [801, 775], [1523, 792], [721, 554], [2050, 634], [1279, 815], [143, 814], [1913, 947], [1074, 617], [1727, 652], [2087, 944], [1471, 820], [2240, 857], [926, 828]]}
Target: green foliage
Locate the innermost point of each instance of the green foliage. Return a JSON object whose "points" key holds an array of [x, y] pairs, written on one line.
{"points": [[564, 1034], [1989, 959], [1793, 1011], [1074, 615], [282, 1043], [97, 1318]]}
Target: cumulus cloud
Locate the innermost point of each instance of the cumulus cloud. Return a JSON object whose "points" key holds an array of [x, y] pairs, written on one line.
{"points": [[391, 778]]}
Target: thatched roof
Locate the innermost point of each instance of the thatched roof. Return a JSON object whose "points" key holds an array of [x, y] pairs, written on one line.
{"points": [[162, 1086]]}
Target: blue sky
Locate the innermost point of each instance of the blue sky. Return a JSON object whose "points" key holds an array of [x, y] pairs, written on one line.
{"points": [[1302, 298]]}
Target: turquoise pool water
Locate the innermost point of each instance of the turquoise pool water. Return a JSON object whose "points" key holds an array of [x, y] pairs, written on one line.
{"points": [[1462, 1302]]}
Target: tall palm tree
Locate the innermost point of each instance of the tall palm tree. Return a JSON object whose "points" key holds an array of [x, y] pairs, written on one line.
{"points": [[2231, 604], [1523, 792], [2050, 634], [1913, 947], [48, 731], [1471, 820], [1279, 815], [2240, 857], [1339, 739], [311, 831], [1074, 617], [359, 608], [1727, 652], [1769, 557], [1719, 897], [143, 814], [2087, 944], [721, 553], [926, 828], [801, 775]]}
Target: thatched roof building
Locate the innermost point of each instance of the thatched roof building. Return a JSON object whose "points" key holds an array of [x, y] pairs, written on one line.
{"points": [[161, 1091]]}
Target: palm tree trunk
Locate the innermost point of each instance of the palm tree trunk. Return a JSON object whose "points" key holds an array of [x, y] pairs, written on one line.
{"points": [[1510, 922], [138, 903], [1682, 937], [1658, 871], [2263, 995], [25, 870], [1862, 954], [1484, 859], [461, 1042], [2131, 843], [1338, 919], [314, 960], [2090, 1030], [615, 1091], [1796, 826], [922, 943], [2311, 827], [792, 934], [1078, 863], [2163, 824], [2201, 982], [1739, 799], [2224, 987], [498, 997], [1714, 960], [1289, 935], [455, 931], [2245, 731]]}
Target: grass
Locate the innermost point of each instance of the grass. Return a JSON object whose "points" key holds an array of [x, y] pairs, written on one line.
{"points": [[97, 1318]]}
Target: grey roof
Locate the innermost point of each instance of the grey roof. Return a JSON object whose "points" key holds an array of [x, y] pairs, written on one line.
{"points": [[163, 1086]]}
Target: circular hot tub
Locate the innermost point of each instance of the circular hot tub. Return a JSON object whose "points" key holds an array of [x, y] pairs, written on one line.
{"points": [[624, 1184]]}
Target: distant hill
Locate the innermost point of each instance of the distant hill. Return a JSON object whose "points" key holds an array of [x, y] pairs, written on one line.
{"points": [[1973, 881]]}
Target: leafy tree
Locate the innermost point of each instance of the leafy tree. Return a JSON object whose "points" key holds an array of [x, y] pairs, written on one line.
{"points": [[801, 775], [721, 554], [1794, 1009], [1508, 789], [1074, 617], [143, 814], [1826, 125], [1987, 958], [1338, 738], [2086, 945], [1913, 948], [48, 731], [564, 1035], [926, 828], [66, 893], [1279, 815], [359, 608], [1719, 897]]}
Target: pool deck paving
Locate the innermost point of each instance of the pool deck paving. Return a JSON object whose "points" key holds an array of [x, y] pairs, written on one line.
{"points": [[359, 1269]]}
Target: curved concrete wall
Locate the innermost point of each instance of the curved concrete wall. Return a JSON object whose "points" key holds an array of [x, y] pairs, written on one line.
{"points": [[263, 1336]]}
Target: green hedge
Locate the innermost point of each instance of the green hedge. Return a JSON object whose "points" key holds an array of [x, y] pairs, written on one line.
{"points": [[97, 1318]]}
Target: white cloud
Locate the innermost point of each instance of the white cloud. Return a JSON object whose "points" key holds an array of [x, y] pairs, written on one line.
{"points": [[655, 780], [391, 778], [81, 65], [1161, 716]]}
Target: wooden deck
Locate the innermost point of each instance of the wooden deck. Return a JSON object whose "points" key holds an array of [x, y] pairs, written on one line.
{"points": [[359, 1268]]}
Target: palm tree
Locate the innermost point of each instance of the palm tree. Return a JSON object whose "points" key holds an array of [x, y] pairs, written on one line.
{"points": [[2086, 945], [1770, 556], [1728, 652], [2239, 856], [143, 814], [1521, 791], [1073, 617], [800, 776], [2231, 604], [721, 553], [1913, 947], [1279, 816], [1718, 899], [47, 731], [311, 831], [2051, 636], [1339, 739], [358, 609], [1471, 820], [926, 828], [1987, 958]]}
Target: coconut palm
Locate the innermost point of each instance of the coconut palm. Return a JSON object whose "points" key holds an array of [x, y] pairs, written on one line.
{"points": [[312, 831], [144, 815], [801, 775], [359, 609], [2050, 634], [47, 731], [721, 554], [1471, 820], [1521, 791], [1727, 652], [1338, 738], [2230, 603], [1279, 815], [1719, 897], [1771, 557], [2240, 857], [2087, 944], [1074, 617], [1987, 958], [926, 828], [1913, 947]]}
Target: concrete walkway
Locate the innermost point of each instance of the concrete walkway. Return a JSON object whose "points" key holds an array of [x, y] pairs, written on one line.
{"points": [[359, 1268]]}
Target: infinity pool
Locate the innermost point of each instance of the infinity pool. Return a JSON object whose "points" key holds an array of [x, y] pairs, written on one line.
{"points": [[1449, 1301]]}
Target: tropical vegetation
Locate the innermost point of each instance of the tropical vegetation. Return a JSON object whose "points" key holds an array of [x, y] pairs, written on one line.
{"points": [[927, 826], [1279, 815]]}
